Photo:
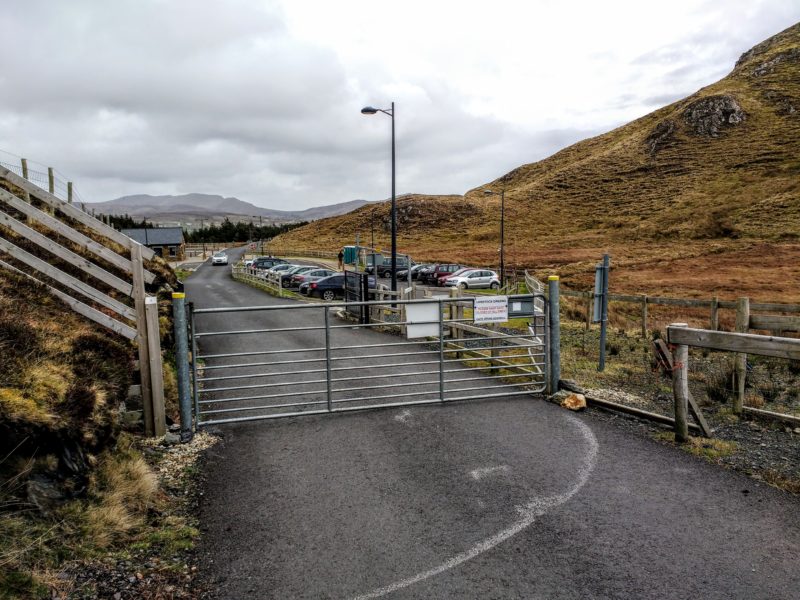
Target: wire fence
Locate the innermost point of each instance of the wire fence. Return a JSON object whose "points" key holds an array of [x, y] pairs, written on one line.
{"points": [[39, 174]]}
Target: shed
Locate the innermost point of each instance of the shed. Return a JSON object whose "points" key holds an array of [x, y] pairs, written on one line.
{"points": [[167, 242]]}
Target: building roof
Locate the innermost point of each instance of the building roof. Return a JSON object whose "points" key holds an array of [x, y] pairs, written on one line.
{"points": [[156, 236]]}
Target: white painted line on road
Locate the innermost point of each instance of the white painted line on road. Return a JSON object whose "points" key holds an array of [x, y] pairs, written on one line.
{"points": [[478, 474], [403, 416], [529, 512]]}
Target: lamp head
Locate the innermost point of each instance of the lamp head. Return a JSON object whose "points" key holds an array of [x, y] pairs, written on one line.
{"points": [[368, 110]]}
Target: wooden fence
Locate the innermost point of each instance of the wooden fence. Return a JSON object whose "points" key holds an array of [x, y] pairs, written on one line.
{"points": [[760, 321], [135, 316], [681, 337]]}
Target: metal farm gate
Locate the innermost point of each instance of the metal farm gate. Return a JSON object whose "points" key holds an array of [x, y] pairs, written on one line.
{"points": [[265, 362]]}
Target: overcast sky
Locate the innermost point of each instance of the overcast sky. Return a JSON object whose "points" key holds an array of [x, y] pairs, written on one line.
{"points": [[261, 99]]}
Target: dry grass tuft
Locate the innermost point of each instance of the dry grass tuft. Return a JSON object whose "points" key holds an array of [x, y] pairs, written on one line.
{"points": [[125, 488]]}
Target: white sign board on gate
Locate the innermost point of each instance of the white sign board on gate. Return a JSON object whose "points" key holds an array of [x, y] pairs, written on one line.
{"points": [[491, 309], [422, 319]]}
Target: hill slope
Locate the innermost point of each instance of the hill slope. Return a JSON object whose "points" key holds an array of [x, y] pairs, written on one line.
{"points": [[700, 196], [210, 205]]}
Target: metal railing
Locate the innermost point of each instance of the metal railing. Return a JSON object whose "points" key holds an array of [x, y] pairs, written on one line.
{"points": [[266, 362]]}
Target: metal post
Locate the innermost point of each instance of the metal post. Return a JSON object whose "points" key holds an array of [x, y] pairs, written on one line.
{"points": [[328, 360], [604, 314], [195, 391], [441, 352], [502, 237], [394, 215], [182, 363], [555, 334]]}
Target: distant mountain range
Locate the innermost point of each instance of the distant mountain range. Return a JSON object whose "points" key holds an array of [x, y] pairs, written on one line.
{"points": [[208, 206]]}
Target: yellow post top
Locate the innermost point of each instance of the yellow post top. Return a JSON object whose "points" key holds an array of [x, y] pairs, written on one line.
{"points": [[553, 278], [178, 295]]}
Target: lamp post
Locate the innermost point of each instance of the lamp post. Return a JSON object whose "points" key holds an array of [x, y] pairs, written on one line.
{"points": [[502, 232], [369, 110]]}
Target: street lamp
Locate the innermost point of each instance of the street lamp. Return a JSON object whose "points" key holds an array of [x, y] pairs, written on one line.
{"points": [[369, 110], [502, 231]]}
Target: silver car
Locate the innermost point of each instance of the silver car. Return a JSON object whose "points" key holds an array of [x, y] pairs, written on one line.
{"points": [[220, 258], [475, 279]]}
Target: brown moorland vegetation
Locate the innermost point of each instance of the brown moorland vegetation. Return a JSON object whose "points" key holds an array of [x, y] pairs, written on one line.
{"points": [[698, 198]]}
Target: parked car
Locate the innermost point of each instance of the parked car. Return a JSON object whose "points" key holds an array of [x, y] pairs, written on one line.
{"points": [[286, 276], [327, 288], [415, 272], [461, 271], [441, 271], [281, 268], [424, 273], [220, 258], [474, 279], [385, 269], [308, 276], [330, 288], [262, 263]]}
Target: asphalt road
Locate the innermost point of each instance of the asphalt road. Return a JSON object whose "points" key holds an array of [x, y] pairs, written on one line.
{"points": [[512, 498]]}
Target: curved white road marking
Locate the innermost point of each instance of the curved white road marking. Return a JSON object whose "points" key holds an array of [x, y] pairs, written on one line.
{"points": [[480, 473], [535, 508]]}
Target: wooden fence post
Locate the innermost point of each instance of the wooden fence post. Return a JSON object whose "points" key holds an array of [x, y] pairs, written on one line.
{"points": [[680, 388], [740, 360], [715, 313], [139, 296], [25, 195], [69, 192], [156, 372], [644, 316], [51, 181], [455, 292]]}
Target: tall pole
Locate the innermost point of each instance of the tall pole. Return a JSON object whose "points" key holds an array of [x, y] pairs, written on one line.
{"points": [[502, 237], [394, 216]]}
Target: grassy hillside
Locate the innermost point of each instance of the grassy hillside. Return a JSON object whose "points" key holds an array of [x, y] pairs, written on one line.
{"points": [[699, 197]]}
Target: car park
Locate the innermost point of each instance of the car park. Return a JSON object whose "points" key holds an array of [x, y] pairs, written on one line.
{"points": [[474, 279], [220, 258]]}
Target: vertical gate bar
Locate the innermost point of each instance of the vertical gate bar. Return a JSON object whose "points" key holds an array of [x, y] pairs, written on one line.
{"points": [[555, 334], [195, 391], [328, 359], [182, 363], [441, 352]]}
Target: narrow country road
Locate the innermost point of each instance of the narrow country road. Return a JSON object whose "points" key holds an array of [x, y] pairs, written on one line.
{"points": [[511, 498]]}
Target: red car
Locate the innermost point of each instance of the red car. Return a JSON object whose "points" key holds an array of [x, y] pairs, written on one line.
{"points": [[441, 272]]}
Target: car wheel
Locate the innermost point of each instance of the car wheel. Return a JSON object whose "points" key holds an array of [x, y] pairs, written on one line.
{"points": [[463, 286], [495, 285], [328, 296]]}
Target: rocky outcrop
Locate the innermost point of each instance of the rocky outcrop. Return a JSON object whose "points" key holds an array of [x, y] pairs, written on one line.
{"points": [[709, 116], [660, 137]]}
